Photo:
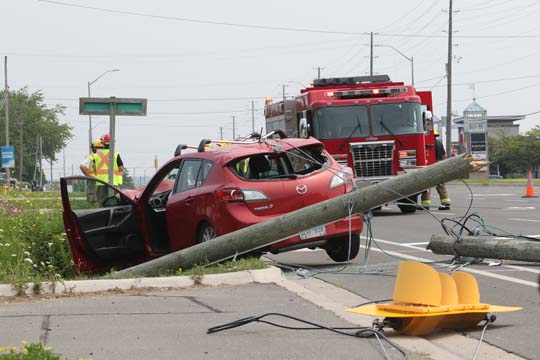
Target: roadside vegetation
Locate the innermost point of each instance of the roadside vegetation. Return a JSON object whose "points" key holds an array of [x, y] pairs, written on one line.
{"points": [[516, 154], [34, 248], [27, 352]]}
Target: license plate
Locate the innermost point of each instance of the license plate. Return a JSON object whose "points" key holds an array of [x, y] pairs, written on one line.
{"points": [[313, 232]]}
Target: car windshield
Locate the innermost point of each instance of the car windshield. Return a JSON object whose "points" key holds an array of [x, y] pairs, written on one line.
{"points": [[284, 164], [342, 122]]}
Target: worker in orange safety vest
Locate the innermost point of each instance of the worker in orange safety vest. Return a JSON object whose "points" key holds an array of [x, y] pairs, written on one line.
{"points": [[101, 158], [88, 168]]}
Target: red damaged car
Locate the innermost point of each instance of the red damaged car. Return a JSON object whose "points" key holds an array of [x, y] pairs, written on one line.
{"points": [[197, 196]]}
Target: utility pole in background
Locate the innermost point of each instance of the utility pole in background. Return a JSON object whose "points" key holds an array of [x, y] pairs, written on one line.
{"points": [[6, 107], [21, 144], [319, 71], [221, 133], [233, 128], [252, 116], [371, 55], [51, 163], [40, 163], [449, 84]]}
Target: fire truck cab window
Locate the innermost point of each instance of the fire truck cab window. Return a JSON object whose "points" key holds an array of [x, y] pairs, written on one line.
{"points": [[340, 122], [396, 118]]}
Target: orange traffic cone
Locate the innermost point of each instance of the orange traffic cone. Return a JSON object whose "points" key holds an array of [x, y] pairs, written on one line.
{"points": [[529, 193]]}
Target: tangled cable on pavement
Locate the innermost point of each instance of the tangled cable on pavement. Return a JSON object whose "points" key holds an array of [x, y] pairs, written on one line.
{"points": [[358, 331]]}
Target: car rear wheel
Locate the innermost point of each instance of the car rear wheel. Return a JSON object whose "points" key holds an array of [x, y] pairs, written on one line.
{"points": [[408, 209], [206, 232], [338, 248]]}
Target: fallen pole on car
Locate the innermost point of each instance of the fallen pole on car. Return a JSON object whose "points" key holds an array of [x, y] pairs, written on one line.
{"points": [[268, 232], [490, 247]]}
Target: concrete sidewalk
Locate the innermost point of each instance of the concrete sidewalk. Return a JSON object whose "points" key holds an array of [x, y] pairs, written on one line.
{"points": [[167, 318], [172, 324]]}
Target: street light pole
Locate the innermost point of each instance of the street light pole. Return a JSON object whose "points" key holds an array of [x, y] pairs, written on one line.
{"points": [[90, 116], [411, 59]]}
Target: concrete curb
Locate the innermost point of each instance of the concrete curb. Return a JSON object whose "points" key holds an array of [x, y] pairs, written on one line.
{"points": [[264, 276]]}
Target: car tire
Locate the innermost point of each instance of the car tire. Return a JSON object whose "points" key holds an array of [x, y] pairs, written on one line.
{"points": [[409, 209], [338, 248], [205, 233]]}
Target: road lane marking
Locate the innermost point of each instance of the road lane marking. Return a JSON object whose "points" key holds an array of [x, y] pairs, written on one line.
{"points": [[518, 219], [409, 245], [480, 194], [513, 208], [418, 243], [467, 269], [522, 268]]}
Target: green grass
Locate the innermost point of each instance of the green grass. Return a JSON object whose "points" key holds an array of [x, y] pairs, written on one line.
{"points": [[226, 267], [476, 181]]}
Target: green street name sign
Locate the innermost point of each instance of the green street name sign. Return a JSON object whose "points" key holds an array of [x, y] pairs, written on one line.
{"points": [[112, 105]]}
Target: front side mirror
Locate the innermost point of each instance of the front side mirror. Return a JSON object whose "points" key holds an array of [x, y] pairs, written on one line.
{"points": [[303, 127], [428, 121]]}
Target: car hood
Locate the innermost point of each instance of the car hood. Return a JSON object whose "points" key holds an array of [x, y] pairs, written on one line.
{"points": [[134, 195]]}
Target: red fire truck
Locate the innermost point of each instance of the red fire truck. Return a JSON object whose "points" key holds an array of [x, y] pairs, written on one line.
{"points": [[378, 127]]}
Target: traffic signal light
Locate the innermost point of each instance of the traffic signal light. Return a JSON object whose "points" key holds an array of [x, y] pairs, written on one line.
{"points": [[424, 300]]}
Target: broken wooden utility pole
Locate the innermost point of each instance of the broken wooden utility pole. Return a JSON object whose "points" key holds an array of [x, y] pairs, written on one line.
{"points": [[271, 231], [490, 247]]}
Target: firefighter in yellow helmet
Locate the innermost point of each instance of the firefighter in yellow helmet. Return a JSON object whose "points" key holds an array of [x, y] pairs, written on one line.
{"points": [[88, 168], [101, 158], [440, 154]]}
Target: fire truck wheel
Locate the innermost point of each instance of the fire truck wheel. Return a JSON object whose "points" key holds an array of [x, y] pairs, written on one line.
{"points": [[338, 248], [408, 209]]}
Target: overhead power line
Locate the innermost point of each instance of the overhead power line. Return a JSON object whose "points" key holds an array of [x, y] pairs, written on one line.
{"points": [[490, 81], [278, 28], [222, 23], [177, 100]]}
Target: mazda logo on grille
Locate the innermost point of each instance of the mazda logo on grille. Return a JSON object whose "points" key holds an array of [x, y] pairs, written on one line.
{"points": [[301, 189]]}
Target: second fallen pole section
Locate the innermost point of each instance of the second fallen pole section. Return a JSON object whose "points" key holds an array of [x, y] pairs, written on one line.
{"points": [[490, 247]]}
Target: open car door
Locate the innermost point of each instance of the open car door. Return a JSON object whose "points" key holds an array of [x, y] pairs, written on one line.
{"points": [[101, 225]]}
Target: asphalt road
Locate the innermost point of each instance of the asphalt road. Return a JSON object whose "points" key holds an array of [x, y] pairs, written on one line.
{"points": [[501, 208]]}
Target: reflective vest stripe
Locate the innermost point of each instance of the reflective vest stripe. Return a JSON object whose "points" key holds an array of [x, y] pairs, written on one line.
{"points": [[102, 167]]}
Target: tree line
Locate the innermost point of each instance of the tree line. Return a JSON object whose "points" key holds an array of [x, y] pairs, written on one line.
{"points": [[516, 154], [30, 118]]}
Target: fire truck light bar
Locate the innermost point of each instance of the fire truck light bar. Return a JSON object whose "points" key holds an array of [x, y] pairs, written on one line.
{"points": [[369, 92], [351, 80]]}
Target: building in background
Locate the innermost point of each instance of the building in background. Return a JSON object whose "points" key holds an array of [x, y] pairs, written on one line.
{"points": [[475, 127]]}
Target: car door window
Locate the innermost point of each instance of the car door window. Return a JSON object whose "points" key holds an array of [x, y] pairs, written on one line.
{"points": [[189, 172], [203, 173]]}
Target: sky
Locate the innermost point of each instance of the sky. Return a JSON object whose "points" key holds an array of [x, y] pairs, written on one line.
{"points": [[201, 63]]}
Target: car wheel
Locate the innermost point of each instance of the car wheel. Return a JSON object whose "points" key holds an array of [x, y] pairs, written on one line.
{"points": [[409, 209], [338, 248], [206, 232]]}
